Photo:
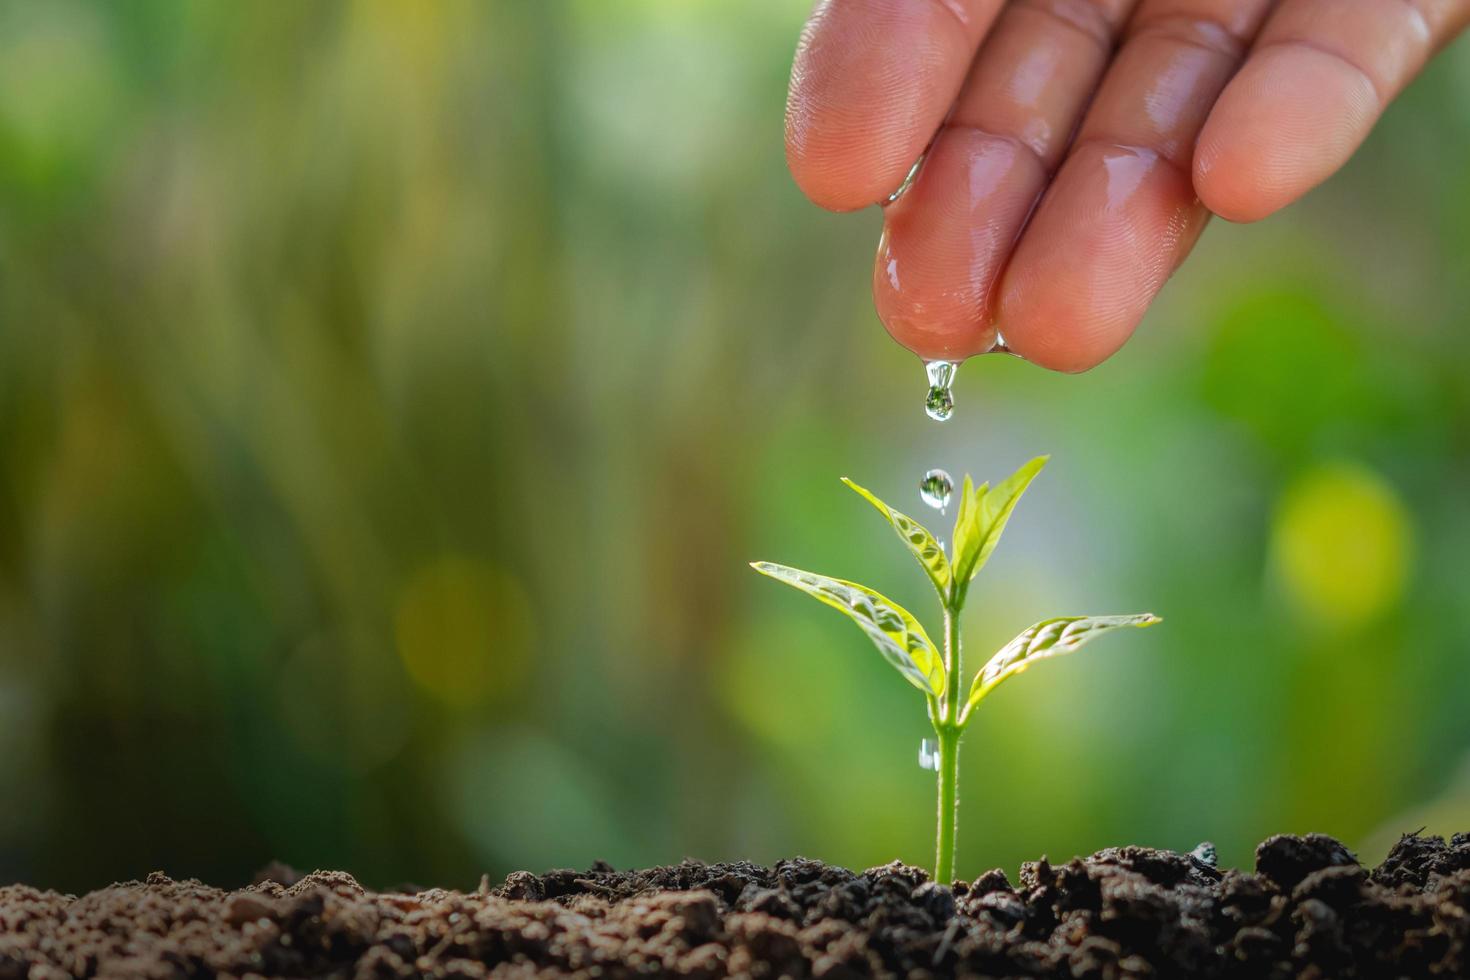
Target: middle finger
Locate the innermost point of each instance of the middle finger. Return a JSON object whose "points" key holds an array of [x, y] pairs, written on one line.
{"points": [[945, 241]]}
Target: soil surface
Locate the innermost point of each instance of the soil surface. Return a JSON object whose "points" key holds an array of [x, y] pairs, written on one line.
{"points": [[1308, 910]]}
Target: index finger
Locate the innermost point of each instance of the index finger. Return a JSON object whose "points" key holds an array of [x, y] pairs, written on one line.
{"points": [[871, 83]]}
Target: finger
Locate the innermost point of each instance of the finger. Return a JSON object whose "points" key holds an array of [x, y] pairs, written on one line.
{"points": [[1121, 213], [1320, 75], [871, 83], [945, 241]]}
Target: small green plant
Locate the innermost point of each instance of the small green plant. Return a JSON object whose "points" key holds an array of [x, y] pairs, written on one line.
{"points": [[983, 513]]}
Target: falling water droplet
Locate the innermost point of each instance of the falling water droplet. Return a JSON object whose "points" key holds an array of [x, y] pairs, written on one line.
{"points": [[929, 755], [939, 402], [935, 488]]}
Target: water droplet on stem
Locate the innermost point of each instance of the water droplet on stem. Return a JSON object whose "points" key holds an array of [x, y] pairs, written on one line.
{"points": [[929, 755]]}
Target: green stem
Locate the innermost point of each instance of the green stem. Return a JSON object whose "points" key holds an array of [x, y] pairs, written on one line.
{"points": [[946, 726], [953, 666], [949, 777]]}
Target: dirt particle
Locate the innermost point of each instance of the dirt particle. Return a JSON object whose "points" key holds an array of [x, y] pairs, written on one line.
{"points": [[244, 907], [1286, 859]]}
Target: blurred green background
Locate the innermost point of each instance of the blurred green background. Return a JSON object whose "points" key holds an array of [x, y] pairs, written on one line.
{"points": [[392, 395]]}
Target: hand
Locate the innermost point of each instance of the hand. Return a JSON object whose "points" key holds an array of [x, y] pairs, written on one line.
{"points": [[1077, 147]]}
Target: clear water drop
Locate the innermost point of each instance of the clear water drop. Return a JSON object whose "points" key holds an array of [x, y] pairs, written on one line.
{"points": [[939, 402], [935, 488], [929, 755], [1205, 854]]}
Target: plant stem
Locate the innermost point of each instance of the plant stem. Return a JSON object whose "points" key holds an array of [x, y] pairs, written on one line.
{"points": [[953, 666], [947, 727], [949, 777]]}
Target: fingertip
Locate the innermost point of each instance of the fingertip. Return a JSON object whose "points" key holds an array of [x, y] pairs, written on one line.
{"points": [[1115, 223], [1223, 187], [1287, 122], [871, 82], [832, 179], [830, 165], [1227, 168], [1057, 347], [945, 241]]}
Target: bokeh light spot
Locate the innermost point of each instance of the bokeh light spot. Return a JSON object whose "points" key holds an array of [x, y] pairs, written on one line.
{"points": [[464, 630], [1342, 543]]}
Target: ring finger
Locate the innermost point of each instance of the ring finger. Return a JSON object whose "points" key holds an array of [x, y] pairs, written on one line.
{"points": [[1122, 213]]}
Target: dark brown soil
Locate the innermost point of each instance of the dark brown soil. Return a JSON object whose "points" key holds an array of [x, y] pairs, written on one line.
{"points": [[1309, 910]]}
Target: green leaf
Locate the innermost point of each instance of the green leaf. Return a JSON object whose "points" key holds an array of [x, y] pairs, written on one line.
{"points": [[920, 541], [978, 527], [1048, 638], [893, 630], [966, 529]]}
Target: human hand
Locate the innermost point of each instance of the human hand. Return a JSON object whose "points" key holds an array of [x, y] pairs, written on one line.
{"points": [[1081, 144]]}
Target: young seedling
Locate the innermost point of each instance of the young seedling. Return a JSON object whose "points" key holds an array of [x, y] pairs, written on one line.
{"points": [[983, 513]]}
